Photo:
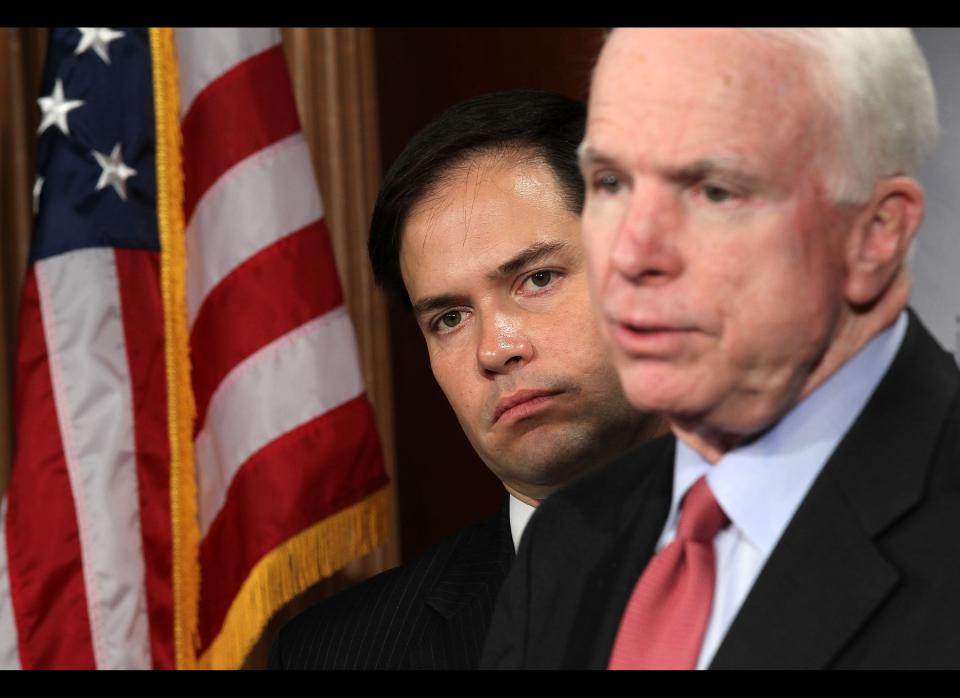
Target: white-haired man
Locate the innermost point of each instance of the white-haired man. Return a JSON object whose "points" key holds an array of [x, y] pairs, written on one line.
{"points": [[750, 208]]}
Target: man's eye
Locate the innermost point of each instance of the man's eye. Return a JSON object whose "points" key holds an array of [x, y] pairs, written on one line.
{"points": [[715, 194], [608, 182], [450, 320], [541, 278]]}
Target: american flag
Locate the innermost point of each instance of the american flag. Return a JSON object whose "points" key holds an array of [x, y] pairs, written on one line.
{"points": [[167, 282]]}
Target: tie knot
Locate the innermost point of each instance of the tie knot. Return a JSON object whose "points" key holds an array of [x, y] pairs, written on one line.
{"points": [[701, 517]]}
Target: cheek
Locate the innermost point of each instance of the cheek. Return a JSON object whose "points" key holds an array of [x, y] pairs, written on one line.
{"points": [[579, 342], [823, 231], [774, 299], [598, 233], [597, 285], [817, 266], [575, 320]]}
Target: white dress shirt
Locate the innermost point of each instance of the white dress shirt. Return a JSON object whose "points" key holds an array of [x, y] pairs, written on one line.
{"points": [[760, 486], [520, 513]]}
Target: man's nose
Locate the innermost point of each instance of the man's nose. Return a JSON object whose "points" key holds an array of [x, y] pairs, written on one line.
{"points": [[645, 247], [503, 345]]}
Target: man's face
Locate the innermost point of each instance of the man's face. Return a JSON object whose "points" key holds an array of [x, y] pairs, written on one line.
{"points": [[494, 266], [715, 255]]}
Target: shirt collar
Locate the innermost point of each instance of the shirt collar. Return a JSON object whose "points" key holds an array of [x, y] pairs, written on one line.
{"points": [[520, 513], [759, 486]]}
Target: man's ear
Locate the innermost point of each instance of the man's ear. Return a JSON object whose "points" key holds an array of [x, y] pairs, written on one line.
{"points": [[881, 237]]}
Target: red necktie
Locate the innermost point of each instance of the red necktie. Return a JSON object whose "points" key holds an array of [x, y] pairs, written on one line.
{"points": [[665, 620]]}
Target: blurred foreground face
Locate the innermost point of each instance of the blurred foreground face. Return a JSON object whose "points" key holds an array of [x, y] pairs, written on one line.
{"points": [[494, 266], [716, 257]]}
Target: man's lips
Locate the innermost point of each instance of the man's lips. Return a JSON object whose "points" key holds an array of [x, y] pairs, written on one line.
{"points": [[649, 338], [520, 404]]}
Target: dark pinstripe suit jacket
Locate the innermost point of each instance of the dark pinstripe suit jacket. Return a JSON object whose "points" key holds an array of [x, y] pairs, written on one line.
{"points": [[432, 613]]}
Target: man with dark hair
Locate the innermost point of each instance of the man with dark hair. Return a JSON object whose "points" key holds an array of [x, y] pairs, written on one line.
{"points": [[477, 229]]}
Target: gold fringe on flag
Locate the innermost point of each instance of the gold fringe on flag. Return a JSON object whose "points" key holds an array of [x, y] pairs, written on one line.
{"points": [[181, 410], [291, 568]]}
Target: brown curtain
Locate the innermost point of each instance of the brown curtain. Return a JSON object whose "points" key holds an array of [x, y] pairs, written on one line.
{"points": [[334, 84]]}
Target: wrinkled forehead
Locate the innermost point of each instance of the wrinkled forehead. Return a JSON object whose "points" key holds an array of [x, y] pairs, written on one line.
{"points": [[739, 58], [734, 75]]}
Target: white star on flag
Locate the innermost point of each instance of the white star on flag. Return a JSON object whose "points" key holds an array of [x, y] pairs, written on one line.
{"points": [[115, 172], [37, 188], [97, 38], [55, 107]]}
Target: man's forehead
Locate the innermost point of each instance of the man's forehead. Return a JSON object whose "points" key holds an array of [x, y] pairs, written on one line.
{"points": [[699, 94], [649, 46], [485, 221], [489, 220], [727, 62]]}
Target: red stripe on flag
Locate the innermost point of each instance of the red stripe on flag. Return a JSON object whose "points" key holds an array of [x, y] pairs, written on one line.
{"points": [[244, 110], [138, 272], [301, 478], [271, 293], [43, 541]]}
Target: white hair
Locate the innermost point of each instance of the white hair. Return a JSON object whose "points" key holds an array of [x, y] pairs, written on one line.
{"points": [[878, 86]]}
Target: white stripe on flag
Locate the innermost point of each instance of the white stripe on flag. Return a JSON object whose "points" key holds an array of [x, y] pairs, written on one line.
{"points": [[9, 652], [205, 53], [301, 375], [80, 302], [258, 202]]}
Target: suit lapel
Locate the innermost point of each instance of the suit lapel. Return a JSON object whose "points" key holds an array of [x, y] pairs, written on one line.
{"points": [[821, 583], [622, 546], [477, 568], [827, 576]]}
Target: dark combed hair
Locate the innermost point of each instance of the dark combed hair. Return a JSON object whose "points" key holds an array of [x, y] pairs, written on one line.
{"points": [[536, 123]]}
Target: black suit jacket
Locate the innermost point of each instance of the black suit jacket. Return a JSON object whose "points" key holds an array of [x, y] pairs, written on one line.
{"points": [[867, 573], [432, 613]]}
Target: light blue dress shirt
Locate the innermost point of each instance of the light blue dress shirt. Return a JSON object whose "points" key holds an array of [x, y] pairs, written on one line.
{"points": [[760, 485]]}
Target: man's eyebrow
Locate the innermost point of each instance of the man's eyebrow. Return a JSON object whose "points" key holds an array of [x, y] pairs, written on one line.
{"points": [[434, 303], [693, 172], [587, 155], [527, 256], [701, 169]]}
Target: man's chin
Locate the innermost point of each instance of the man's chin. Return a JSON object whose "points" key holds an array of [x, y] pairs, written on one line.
{"points": [[547, 456], [658, 390]]}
